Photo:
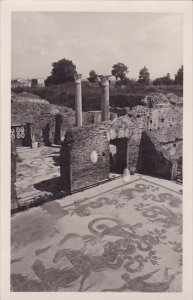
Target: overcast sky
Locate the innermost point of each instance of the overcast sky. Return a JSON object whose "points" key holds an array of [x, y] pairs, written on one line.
{"points": [[96, 41]]}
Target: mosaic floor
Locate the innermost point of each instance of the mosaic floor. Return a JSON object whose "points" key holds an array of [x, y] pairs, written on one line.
{"points": [[38, 171], [126, 240]]}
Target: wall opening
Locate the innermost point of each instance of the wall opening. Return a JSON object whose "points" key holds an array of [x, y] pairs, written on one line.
{"points": [[58, 122], [21, 135], [46, 135], [118, 151]]}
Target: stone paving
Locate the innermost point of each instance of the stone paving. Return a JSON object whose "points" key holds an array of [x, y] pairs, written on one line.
{"points": [[116, 237], [38, 172]]}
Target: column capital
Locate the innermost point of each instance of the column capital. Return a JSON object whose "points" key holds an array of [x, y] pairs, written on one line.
{"points": [[104, 79], [77, 78]]}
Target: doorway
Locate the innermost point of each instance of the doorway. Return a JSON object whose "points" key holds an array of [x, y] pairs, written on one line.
{"points": [[119, 155]]}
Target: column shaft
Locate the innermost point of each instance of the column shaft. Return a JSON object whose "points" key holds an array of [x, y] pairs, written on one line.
{"points": [[78, 104], [105, 99]]}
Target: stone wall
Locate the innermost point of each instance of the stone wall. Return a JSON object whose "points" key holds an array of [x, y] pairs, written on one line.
{"points": [[161, 152], [155, 118], [14, 200], [155, 161], [38, 114], [43, 116], [164, 117], [77, 169], [80, 142]]}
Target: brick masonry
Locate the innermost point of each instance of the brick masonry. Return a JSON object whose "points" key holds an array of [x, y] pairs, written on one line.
{"points": [[154, 145]]}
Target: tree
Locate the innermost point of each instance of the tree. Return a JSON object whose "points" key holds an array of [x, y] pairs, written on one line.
{"points": [[93, 76], [62, 71], [144, 76], [120, 71], [165, 80], [34, 82], [179, 76]]}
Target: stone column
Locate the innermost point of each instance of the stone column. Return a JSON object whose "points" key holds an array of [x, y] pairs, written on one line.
{"points": [[105, 97], [78, 100]]}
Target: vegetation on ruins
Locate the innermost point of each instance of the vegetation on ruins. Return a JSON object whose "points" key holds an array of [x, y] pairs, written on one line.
{"points": [[62, 71], [144, 76], [119, 71], [165, 80], [93, 76]]}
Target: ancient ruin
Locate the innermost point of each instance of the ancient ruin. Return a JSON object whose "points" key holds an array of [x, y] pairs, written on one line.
{"points": [[145, 139]]}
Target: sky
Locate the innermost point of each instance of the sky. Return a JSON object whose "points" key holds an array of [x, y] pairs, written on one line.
{"points": [[96, 41]]}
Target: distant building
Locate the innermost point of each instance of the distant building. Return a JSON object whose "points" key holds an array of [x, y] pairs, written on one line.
{"points": [[19, 82], [37, 82]]}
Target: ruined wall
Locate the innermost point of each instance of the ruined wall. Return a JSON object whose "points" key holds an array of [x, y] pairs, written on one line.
{"points": [[49, 122], [43, 123], [43, 116], [161, 152], [155, 160], [80, 171], [156, 118], [14, 200], [164, 117], [80, 142]]}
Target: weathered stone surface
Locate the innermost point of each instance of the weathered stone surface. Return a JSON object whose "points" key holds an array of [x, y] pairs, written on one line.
{"points": [[14, 200], [159, 154], [156, 100], [175, 100], [77, 169]]}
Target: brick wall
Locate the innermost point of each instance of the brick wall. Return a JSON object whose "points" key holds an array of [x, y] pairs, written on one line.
{"points": [[76, 158], [80, 142]]}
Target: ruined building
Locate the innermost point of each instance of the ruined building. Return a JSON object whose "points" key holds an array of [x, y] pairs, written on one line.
{"points": [[145, 139]]}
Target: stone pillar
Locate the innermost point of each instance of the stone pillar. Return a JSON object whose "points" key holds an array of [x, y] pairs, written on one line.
{"points": [[105, 97], [78, 100]]}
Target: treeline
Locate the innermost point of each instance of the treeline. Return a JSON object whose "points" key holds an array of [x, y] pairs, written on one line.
{"points": [[64, 70]]}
